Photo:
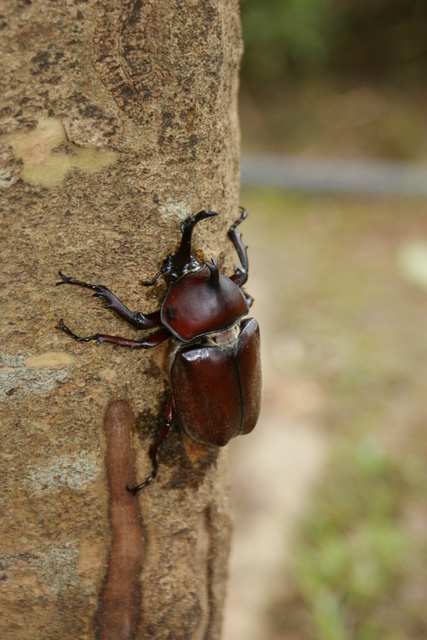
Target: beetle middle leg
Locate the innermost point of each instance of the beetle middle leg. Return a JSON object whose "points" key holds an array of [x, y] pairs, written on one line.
{"points": [[155, 446], [241, 274], [137, 320], [152, 341]]}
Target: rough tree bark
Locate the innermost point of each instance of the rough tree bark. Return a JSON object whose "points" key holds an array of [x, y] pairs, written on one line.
{"points": [[119, 120]]}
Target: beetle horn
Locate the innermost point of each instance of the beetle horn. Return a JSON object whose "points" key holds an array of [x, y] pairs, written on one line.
{"points": [[214, 275], [183, 256]]}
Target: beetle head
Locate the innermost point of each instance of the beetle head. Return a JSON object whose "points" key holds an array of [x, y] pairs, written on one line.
{"points": [[182, 261], [177, 264]]}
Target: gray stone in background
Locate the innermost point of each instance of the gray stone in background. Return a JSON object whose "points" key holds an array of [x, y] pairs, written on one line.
{"points": [[326, 175]]}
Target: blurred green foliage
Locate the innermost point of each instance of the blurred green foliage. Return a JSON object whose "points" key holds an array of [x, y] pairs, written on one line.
{"points": [[381, 39], [354, 550], [283, 36]]}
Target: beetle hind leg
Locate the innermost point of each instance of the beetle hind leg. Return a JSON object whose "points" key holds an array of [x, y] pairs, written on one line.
{"points": [[154, 448], [152, 341]]}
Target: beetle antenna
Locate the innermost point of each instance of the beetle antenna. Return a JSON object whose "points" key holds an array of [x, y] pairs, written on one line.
{"points": [[183, 256]]}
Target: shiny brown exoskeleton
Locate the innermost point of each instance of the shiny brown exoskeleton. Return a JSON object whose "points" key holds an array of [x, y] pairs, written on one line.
{"points": [[214, 364]]}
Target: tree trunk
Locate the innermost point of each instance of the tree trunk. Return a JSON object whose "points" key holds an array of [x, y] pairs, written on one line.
{"points": [[119, 120]]}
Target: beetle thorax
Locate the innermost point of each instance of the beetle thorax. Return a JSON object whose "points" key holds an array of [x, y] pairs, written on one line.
{"points": [[199, 304]]}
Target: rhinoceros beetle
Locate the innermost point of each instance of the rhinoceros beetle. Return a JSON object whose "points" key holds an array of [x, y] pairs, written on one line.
{"points": [[214, 355]]}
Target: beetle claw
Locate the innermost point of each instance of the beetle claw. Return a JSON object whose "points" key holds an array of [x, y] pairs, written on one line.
{"points": [[134, 490], [64, 279]]}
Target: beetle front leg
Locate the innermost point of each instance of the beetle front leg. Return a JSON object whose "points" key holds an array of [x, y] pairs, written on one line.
{"points": [[137, 320], [170, 411], [241, 274], [152, 341]]}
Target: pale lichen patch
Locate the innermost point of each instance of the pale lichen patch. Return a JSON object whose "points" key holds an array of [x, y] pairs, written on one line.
{"points": [[52, 568], [72, 472], [174, 210], [49, 360], [18, 380], [47, 155], [58, 568]]}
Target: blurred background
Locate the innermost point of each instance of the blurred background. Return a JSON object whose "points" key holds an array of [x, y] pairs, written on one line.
{"points": [[329, 491]]}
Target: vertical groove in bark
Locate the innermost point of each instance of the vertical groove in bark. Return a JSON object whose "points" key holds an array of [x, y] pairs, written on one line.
{"points": [[118, 120]]}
